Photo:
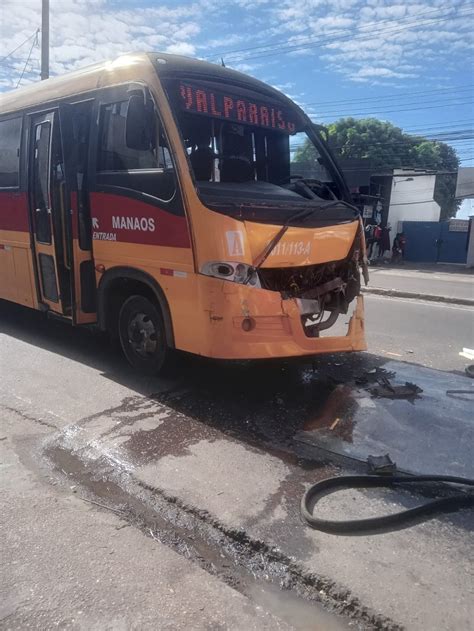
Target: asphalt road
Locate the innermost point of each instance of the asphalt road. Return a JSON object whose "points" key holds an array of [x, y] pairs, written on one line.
{"points": [[198, 472], [428, 333], [436, 282]]}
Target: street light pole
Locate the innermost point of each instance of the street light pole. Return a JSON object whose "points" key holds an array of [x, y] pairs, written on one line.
{"points": [[45, 40]]}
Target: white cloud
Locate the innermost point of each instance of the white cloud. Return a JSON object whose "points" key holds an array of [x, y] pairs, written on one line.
{"points": [[363, 40], [225, 42], [375, 34], [86, 31], [181, 48], [367, 72]]}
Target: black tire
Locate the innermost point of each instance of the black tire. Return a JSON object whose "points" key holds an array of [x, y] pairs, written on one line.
{"points": [[142, 336]]}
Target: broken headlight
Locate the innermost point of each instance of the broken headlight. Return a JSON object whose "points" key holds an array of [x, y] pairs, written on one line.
{"points": [[236, 272]]}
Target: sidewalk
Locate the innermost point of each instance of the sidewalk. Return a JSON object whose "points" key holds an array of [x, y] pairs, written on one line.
{"points": [[67, 563], [447, 283]]}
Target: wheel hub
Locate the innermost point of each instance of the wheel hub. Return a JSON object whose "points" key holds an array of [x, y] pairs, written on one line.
{"points": [[142, 335]]}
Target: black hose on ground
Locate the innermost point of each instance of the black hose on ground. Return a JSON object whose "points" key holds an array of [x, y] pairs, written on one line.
{"points": [[386, 523]]}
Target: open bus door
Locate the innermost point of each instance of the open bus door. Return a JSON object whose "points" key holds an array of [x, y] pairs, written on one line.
{"points": [[48, 210], [76, 120], [59, 205]]}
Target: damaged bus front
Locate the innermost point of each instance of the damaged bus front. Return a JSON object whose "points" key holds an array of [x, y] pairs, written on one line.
{"points": [[278, 246], [206, 213]]}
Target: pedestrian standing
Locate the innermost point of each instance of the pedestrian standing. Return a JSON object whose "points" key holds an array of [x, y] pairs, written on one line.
{"points": [[369, 239], [377, 242], [385, 240], [398, 249]]}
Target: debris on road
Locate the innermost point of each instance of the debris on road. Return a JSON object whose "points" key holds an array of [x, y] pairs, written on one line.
{"points": [[467, 353], [384, 388], [381, 465], [387, 390], [371, 376]]}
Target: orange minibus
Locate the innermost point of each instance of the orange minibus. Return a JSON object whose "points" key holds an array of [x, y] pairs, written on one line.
{"points": [[157, 197]]}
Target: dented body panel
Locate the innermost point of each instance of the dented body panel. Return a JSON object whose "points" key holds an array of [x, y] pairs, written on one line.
{"points": [[277, 329], [302, 246]]}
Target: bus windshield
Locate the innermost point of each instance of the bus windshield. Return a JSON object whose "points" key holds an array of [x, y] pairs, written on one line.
{"points": [[251, 156]]}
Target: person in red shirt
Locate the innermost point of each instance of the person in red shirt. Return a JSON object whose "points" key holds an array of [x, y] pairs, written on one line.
{"points": [[377, 241], [398, 249]]}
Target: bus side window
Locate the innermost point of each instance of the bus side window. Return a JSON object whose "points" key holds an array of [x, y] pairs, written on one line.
{"points": [[147, 171], [114, 155], [10, 137]]}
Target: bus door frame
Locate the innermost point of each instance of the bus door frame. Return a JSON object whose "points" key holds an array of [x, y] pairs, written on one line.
{"points": [[44, 236], [77, 154]]}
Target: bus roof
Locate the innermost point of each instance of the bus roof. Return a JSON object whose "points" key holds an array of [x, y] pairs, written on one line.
{"points": [[136, 66]]}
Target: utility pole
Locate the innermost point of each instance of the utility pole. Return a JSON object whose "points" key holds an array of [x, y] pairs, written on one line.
{"points": [[45, 40]]}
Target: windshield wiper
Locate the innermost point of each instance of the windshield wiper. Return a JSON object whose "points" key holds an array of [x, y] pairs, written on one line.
{"points": [[336, 202], [301, 214], [262, 257]]}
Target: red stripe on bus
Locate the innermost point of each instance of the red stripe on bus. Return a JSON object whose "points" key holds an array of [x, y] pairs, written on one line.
{"points": [[14, 211], [127, 220]]}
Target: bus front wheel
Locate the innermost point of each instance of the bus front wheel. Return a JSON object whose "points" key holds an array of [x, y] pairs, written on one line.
{"points": [[142, 335]]}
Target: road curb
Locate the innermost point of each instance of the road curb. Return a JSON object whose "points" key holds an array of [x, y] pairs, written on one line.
{"points": [[395, 293]]}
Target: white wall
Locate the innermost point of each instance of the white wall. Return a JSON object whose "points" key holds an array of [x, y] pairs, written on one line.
{"points": [[412, 198]]}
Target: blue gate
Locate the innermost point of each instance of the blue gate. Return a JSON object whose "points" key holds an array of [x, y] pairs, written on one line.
{"points": [[453, 248], [433, 242]]}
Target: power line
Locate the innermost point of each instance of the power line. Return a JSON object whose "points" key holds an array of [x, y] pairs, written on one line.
{"points": [[383, 149], [458, 93], [322, 42], [393, 151], [457, 133], [410, 109], [441, 125], [458, 88], [19, 46], [35, 43], [390, 148], [389, 154], [378, 170], [383, 108], [467, 135], [467, 138], [309, 39]]}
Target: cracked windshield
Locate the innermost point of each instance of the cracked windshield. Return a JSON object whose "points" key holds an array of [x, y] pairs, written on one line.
{"points": [[236, 315]]}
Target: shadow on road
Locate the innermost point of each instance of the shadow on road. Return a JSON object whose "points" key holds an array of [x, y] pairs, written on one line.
{"points": [[257, 400], [264, 400], [263, 404]]}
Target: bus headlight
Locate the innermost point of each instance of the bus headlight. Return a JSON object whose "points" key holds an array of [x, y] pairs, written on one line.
{"points": [[236, 272]]}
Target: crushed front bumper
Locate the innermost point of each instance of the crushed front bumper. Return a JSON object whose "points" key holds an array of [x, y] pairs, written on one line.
{"points": [[275, 326]]}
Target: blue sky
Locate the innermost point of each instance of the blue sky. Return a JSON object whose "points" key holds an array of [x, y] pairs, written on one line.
{"points": [[408, 62]]}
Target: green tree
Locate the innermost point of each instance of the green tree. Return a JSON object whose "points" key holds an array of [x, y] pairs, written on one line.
{"points": [[388, 147]]}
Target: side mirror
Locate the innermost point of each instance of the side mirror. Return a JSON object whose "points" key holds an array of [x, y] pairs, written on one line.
{"points": [[139, 125]]}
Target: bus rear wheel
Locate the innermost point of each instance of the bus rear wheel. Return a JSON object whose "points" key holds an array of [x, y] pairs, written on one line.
{"points": [[142, 335]]}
